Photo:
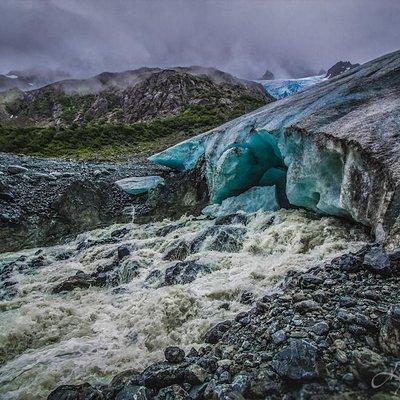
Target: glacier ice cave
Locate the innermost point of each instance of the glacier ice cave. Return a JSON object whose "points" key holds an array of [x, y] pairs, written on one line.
{"points": [[317, 149]]}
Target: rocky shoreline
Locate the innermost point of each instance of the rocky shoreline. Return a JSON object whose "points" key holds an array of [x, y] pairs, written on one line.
{"points": [[332, 332]]}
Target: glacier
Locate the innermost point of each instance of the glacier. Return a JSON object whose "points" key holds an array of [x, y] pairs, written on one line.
{"points": [[281, 88], [333, 148], [140, 184]]}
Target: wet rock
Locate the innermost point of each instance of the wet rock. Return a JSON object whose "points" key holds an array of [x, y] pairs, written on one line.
{"points": [[229, 239], [389, 336], [232, 219], [78, 281], [16, 169], [134, 393], [79, 392], [128, 270], [247, 297], [184, 272], [174, 355], [348, 263], [174, 392], [215, 334], [356, 319], [377, 261], [310, 281], [123, 251], [177, 251], [161, 375], [219, 238], [129, 377], [299, 361]]}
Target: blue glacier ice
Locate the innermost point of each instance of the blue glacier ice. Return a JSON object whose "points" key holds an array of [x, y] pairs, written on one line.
{"points": [[257, 198], [281, 88], [139, 184], [332, 148]]}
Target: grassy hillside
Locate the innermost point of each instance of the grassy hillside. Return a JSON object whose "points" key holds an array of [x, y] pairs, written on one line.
{"points": [[103, 140]]}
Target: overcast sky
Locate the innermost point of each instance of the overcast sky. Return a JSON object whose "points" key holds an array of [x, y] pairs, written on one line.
{"points": [[243, 37]]}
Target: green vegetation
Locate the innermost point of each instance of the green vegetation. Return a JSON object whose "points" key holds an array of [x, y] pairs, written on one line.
{"points": [[101, 140]]}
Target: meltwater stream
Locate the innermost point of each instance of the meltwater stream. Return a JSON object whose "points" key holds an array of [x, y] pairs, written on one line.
{"points": [[48, 339]]}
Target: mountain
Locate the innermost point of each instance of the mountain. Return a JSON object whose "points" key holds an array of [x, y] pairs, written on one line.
{"points": [[268, 75], [339, 68], [124, 109]]}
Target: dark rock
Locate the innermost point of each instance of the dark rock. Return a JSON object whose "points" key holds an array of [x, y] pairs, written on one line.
{"points": [[161, 375], [184, 272], [228, 239], [16, 169], [215, 334], [278, 337], [130, 392], [348, 263], [232, 219], [174, 392], [78, 281], [177, 251], [174, 355], [320, 328], [368, 363], [247, 297], [310, 281], [299, 361], [123, 251], [339, 68], [268, 75], [128, 377], [376, 260], [307, 305], [79, 392], [389, 336]]}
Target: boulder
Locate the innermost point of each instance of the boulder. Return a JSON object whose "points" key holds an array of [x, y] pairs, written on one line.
{"points": [[299, 361], [184, 272]]}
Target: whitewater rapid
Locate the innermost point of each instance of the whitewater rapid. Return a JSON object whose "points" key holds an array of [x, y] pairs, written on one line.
{"points": [[48, 339]]}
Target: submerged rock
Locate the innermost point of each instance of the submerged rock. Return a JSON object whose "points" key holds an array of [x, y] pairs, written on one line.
{"points": [[184, 272]]}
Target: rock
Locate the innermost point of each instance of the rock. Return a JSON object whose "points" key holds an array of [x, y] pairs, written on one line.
{"points": [[123, 251], [219, 238], [78, 281], [130, 392], [389, 336], [79, 392], [368, 364], [339, 68], [307, 305], [247, 297], [310, 281], [194, 374], [299, 361], [16, 169], [268, 75], [377, 261], [161, 375], [174, 392], [228, 239], [348, 263], [177, 251], [129, 377], [232, 219], [215, 334], [278, 337], [184, 272], [174, 355], [320, 328]]}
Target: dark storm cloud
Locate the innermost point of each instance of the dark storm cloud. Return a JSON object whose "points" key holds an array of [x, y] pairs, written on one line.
{"points": [[240, 36]]}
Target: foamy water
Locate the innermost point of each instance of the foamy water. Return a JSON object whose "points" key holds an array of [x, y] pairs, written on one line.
{"points": [[91, 334]]}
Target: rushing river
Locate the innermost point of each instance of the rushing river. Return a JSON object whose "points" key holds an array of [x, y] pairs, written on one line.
{"points": [[47, 338]]}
